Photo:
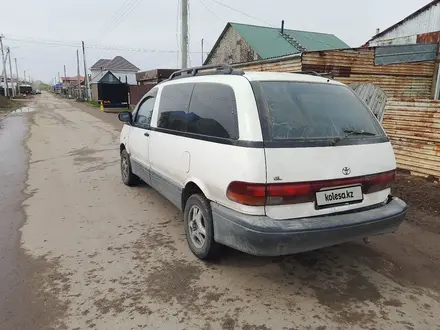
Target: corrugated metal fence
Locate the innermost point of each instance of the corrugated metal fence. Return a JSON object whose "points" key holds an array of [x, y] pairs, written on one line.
{"points": [[358, 66], [281, 65], [414, 129], [350, 66]]}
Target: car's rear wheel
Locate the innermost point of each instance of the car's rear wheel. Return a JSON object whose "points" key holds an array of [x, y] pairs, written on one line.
{"points": [[199, 228], [127, 175]]}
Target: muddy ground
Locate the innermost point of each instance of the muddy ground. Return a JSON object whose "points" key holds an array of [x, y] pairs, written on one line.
{"points": [[423, 197], [104, 256]]}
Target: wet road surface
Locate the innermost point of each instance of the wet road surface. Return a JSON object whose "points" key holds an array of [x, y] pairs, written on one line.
{"points": [[16, 300], [106, 256]]}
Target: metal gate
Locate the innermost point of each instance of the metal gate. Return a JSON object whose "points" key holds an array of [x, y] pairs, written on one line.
{"points": [[113, 95], [373, 96]]}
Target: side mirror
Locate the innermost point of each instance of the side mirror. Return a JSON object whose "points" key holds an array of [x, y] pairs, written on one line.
{"points": [[125, 117]]}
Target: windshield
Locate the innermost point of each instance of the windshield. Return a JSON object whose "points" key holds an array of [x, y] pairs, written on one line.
{"points": [[316, 111]]}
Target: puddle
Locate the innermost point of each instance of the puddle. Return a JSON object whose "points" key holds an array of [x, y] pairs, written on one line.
{"points": [[23, 110]]}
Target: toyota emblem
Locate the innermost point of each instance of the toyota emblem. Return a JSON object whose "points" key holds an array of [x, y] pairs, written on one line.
{"points": [[346, 171]]}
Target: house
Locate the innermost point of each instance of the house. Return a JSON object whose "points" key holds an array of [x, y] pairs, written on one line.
{"points": [[70, 86], [121, 68], [241, 43], [70, 82], [422, 26]]}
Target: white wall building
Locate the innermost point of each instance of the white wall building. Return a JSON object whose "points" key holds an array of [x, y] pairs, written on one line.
{"points": [[119, 66], [421, 27]]}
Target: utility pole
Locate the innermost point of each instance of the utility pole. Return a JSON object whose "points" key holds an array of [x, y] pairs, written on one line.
{"points": [[203, 60], [184, 41], [78, 74], [65, 73], [18, 78], [10, 72], [5, 77], [59, 78], [24, 76], [86, 78]]}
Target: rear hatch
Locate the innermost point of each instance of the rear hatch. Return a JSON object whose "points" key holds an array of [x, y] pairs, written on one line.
{"points": [[325, 151]]}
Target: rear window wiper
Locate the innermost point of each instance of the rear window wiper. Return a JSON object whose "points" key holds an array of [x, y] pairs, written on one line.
{"points": [[351, 132]]}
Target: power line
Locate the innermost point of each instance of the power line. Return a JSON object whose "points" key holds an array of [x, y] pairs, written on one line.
{"points": [[59, 43], [208, 9], [115, 16], [243, 13], [127, 11]]}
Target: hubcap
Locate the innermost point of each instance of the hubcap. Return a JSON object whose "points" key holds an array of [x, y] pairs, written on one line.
{"points": [[124, 167], [196, 227]]}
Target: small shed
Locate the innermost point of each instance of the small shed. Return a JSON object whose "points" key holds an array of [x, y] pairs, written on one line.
{"points": [[153, 76]]}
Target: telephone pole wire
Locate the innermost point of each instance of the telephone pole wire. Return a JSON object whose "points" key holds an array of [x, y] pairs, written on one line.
{"points": [[184, 41], [10, 72], [5, 77], [86, 77]]}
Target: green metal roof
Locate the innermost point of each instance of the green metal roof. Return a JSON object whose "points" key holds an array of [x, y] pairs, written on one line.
{"points": [[267, 42]]}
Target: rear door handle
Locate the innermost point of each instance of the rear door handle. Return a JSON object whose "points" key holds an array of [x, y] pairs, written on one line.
{"points": [[147, 134]]}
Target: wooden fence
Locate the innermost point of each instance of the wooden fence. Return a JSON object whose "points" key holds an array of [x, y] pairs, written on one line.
{"points": [[413, 126]]}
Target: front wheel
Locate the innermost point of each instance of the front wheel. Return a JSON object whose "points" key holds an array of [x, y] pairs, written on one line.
{"points": [[199, 228], [127, 175]]}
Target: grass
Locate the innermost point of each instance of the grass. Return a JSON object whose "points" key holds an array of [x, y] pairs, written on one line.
{"points": [[7, 105], [94, 104]]}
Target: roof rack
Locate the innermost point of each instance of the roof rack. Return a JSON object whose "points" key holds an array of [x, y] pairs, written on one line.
{"points": [[205, 70], [314, 73]]}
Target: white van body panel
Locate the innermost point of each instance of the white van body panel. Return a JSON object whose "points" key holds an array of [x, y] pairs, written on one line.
{"points": [[326, 163], [212, 166], [317, 164], [125, 136]]}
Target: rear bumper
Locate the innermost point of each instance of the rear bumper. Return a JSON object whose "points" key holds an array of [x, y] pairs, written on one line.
{"points": [[263, 236]]}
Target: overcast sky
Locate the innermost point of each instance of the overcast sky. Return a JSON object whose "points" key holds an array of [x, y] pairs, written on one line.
{"points": [[153, 25]]}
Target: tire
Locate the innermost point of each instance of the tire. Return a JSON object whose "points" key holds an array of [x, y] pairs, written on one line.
{"points": [[209, 248], [127, 175]]}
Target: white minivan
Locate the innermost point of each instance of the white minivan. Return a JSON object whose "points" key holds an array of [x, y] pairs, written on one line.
{"points": [[266, 163]]}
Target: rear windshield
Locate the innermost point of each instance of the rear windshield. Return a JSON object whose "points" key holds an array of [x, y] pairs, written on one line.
{"points": [[316, 111]]}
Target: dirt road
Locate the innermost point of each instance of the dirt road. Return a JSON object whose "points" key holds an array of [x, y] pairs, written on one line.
{"points": [[105, 256]]}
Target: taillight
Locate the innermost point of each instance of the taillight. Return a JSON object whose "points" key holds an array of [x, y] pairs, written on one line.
{"points": [[379, 182], [289, 193], [254, 194], [247, 193]]}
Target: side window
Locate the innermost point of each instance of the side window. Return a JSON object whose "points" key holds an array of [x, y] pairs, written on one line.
{"points": [[173, 107], [213, 111], [144, 112]]}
